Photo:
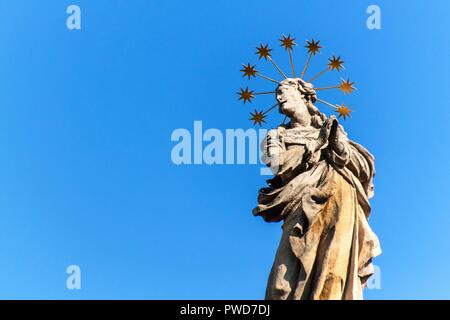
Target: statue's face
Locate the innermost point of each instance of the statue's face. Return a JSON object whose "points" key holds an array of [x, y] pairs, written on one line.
{"points": [[289, 97]]}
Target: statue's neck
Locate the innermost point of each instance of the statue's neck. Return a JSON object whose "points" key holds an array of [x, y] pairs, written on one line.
{"points": [[301, 117], [301, 121]]}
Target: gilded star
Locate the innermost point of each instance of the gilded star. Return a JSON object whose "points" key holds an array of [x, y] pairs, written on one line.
{"points": [[249, 71], [257, 117], [336, 63], [263, 51], [313, 47], [346, 86], [287, 42], [246, 95], [343, 111]]}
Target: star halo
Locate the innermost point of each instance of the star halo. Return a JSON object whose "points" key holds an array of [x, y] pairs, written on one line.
{"points": [[335, 63]]}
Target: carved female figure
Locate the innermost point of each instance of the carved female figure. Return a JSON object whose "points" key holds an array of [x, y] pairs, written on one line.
{"points": [[320, 190]]}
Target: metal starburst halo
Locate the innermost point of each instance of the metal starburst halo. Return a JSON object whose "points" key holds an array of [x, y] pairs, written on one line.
{"points": [[264, 52]]}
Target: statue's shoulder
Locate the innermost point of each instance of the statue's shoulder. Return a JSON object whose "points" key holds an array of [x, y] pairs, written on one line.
{"points": [[280, 130]]}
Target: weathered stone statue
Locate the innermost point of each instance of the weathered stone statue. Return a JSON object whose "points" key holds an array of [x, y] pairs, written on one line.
{"points": [[320, 190]]}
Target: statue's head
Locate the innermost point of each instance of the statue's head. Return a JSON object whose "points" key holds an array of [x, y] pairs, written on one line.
{"points": [[296, 98]]}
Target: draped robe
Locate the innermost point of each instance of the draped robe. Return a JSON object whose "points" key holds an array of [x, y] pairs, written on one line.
{"points": [[327, 245]]}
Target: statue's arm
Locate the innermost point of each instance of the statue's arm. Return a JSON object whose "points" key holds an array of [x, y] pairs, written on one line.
{"points": [[273, 148], [343, 152]]}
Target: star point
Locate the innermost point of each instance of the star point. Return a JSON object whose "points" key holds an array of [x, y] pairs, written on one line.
{"points": [[263, 51], [246, 95], [347, 86], [248, 71], [343, 111], [258, 118], [336, 63], [287, 42], [313, 47]]}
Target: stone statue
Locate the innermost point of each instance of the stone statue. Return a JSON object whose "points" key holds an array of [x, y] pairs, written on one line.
{"points": [[320, 190]]}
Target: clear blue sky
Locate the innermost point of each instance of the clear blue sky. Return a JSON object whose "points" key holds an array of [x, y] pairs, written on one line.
{"points": [[86, 117]]}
